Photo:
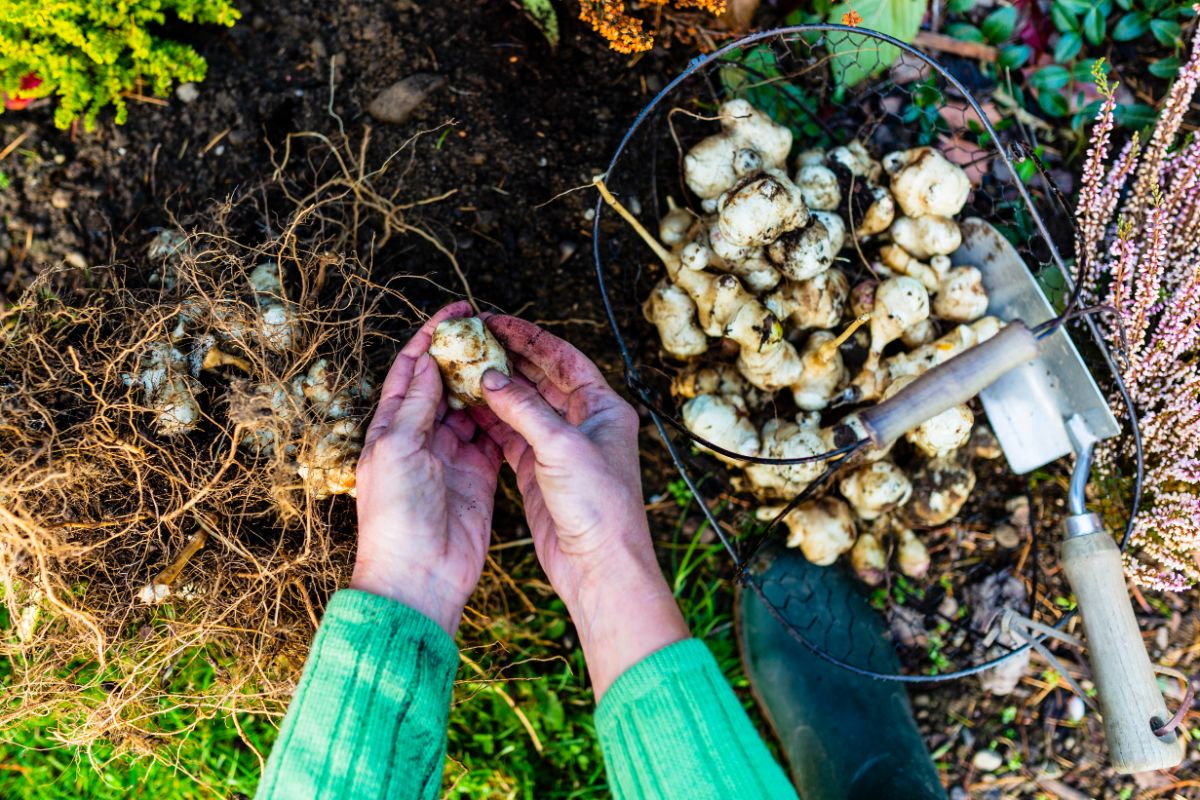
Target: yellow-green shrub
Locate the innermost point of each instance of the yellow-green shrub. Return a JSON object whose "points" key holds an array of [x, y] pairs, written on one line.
{"points": [[89, 53]]}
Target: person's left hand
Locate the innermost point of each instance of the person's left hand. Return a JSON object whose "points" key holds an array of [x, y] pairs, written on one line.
{"points": [[426, 487]]}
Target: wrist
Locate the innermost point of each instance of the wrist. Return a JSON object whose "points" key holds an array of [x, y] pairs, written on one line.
{"points": [[623, 613], [420, 591]]}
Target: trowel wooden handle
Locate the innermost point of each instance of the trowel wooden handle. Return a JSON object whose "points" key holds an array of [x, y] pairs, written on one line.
{"points": [[1128, 692], [946, 385]]}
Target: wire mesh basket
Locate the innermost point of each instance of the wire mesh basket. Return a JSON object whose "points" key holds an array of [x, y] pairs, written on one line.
{"points": [[831, 84]]}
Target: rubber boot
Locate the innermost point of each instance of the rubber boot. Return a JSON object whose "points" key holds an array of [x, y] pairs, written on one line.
{"points": [[845, 736]]}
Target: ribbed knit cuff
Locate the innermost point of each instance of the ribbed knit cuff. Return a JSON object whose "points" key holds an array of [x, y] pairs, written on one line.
{"points": [[670, 726], [368, 719]]}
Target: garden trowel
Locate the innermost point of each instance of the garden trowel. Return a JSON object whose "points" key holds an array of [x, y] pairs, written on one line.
{"points": [[1042, 404]]}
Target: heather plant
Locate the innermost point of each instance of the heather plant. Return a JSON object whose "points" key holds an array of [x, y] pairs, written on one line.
{"points": [[626, 33], [1138, 236], [94, 53]]}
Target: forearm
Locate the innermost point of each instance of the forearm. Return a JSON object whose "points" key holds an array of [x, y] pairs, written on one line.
{"points": [[671, 727], [368, 719]]}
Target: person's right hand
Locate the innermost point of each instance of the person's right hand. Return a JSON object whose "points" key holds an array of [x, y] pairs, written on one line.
{"points": [[572, 442]]}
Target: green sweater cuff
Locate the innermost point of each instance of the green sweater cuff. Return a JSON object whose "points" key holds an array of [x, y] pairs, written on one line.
{"points": [[670, 726], [369, 716]]}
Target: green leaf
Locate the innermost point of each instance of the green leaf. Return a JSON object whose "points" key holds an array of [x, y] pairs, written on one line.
{"points": [[1126, 5], [998, 26], [857, 57], [1137, 115], [1051, 78], [1015, 55], [1166, 31], [1165, 67], [1093, 25], [1068, 46], [542, 14], [1082, 70], [1053, 103], [1075, 7], [960, 6], [1064, 21], [1131, 26], [964, 32]]}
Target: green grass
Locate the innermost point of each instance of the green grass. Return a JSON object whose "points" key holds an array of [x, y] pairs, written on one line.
{"points": [[526, 665]]}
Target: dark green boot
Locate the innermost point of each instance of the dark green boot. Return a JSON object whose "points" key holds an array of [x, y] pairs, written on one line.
{"points": [[845, 736]]}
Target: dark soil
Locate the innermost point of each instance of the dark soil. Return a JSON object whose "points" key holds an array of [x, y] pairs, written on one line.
{"points": [[528, 125]]}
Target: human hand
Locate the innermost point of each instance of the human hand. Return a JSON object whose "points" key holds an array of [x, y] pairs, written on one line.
{"points": [[572, 442], [426, 486]]}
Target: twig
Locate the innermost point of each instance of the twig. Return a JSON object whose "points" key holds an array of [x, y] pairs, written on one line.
{"points": [[948, 44], [15, 143]]}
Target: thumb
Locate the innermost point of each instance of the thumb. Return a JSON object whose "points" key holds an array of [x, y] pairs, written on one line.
{"points": [[519, 405], [418, 409]]}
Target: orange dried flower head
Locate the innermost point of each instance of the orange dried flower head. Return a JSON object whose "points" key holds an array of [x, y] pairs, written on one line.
{"points": [[852, 18], [626, 34]]}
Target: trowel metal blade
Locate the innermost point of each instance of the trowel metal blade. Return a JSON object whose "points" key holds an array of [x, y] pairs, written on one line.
{"points": [[1028, 406]]}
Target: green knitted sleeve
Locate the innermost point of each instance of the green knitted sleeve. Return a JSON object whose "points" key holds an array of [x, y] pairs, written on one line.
{"points": [[368, 719], [671, 727]]}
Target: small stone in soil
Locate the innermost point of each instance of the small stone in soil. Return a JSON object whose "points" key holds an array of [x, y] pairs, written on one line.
{"points": [[987, 761], [1075, 708], [187, 92], [61, 198], [1006, 536], [397, 103]]}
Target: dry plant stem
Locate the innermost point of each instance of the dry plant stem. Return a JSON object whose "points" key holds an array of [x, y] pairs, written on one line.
{"points": [[668, 260], [172, 571], [829, 348]]}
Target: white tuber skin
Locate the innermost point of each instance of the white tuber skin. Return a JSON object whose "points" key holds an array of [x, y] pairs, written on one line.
{"points": [[856, 160], [168, 390], [783, 439], [710, 168], [464, 349], [810, 157], [277, 326], [718, 379], [823, 529], [924, 182], [284, 399], [676, 224], [758, 210], [817, 302], [722, 421], [961, 296], [875, 489], [925, 237], [911, 555], [899, 261], [819, 187], [809, 251], [900, 303], [673, 313], [923, 332], [927, 356], [328, 467], [331, 397], [942, 434], [823, 373], [879, 213], [940, 489], [869, 559], [748, 263]]}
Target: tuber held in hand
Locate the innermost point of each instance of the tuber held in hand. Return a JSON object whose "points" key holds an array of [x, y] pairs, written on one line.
{"points": [[464, 349]]}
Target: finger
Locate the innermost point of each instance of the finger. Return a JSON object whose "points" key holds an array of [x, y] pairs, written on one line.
{"points": [[491, 451], [566, 367], [512, 445], [536, 375], [461, 424], [526, 411], [415, 416], [400, 374]]}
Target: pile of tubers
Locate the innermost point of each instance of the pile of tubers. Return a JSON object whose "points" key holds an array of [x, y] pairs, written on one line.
{"points": [[312, 422], [757, 273]]}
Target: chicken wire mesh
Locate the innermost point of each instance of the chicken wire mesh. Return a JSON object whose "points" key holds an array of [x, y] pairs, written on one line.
{"points": [[831, 84]]}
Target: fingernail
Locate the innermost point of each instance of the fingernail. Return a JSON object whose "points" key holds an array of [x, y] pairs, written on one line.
{"points": [[494, 380]]}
